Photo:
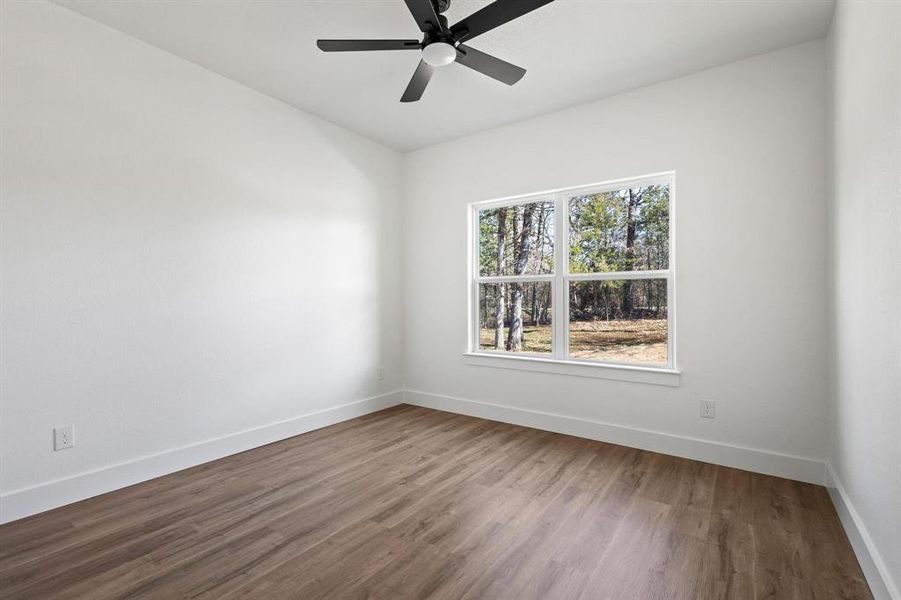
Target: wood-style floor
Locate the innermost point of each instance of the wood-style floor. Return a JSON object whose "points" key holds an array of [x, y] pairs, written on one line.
{"points": [[415, 503]]}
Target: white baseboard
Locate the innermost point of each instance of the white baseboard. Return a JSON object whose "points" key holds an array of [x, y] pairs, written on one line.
{"points": [[29, 501], [874, 568], [750, 459]]}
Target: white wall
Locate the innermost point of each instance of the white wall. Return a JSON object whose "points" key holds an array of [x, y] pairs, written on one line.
{"points": [[182, 259], [865, 423], [748, 144]]}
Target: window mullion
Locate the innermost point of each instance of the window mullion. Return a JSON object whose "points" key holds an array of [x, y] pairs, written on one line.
{"points": [[620, 275], [474, 308], [514, 278], [561, 268]]}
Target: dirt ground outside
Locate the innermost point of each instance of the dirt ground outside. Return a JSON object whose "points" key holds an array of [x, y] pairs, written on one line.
{"points": [[640, 341]]}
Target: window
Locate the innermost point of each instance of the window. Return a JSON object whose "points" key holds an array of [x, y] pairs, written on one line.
{"points": [[583, 275]]}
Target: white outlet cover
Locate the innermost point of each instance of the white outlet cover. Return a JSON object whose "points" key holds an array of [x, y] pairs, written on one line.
{"points": [[63, 437], [708, 409]]}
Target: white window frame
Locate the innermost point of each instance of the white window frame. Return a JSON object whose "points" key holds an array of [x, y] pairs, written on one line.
{"points": [[559, 360]]}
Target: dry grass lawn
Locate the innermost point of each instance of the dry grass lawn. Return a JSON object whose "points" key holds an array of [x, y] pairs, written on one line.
{"points": [[633, 341]]}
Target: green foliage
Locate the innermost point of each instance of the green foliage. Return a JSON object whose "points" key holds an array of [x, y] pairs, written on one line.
{"points": [[488, 220], [617, 299], [623, 230]]}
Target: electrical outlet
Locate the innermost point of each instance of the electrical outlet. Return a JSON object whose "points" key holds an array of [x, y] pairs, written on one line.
{"points": [[708, 409], [63, 437], [380, 373]]}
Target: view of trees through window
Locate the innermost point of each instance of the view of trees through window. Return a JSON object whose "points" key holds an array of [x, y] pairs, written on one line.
{"points": [[514, 241], [601, 328], [502, 330], [625, 230], [614, 308], [517, 240]]}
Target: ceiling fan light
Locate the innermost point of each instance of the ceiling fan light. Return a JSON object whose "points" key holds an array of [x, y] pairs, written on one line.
{"points": [[439, 54]]}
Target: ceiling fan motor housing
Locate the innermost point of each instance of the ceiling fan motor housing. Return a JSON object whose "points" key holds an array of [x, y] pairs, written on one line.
{"points": [[439, 54]]}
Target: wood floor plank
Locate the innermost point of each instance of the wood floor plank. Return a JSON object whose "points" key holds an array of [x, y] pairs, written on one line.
{"points": [[416, 503]]}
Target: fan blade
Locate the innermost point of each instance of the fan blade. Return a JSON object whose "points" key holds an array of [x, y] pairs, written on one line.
{"points": [[489, 65], [357, 45], [417, 84], [424, 13], [494, 15]]}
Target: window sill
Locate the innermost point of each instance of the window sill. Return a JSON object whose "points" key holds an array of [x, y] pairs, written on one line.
{"points": [[648, 375]]}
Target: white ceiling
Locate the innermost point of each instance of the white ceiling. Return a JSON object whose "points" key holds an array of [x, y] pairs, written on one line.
{"points": [[574, 51]]}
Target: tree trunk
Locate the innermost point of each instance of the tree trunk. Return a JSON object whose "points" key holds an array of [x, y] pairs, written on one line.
{"points": [[514, 339], [546, 306], [634, 199], [522, 234], [534, 313], [501, 300], [540, 234]]}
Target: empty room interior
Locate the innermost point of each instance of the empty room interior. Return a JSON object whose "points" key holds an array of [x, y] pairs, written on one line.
{"points": [[450, 299]]}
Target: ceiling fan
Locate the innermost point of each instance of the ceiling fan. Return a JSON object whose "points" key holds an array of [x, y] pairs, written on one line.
{"points": [[441, 45]]}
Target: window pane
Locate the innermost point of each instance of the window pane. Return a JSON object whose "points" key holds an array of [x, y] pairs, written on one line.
{"points": [[623, 230], [618, 321], [515, 317], [517, 240]]}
